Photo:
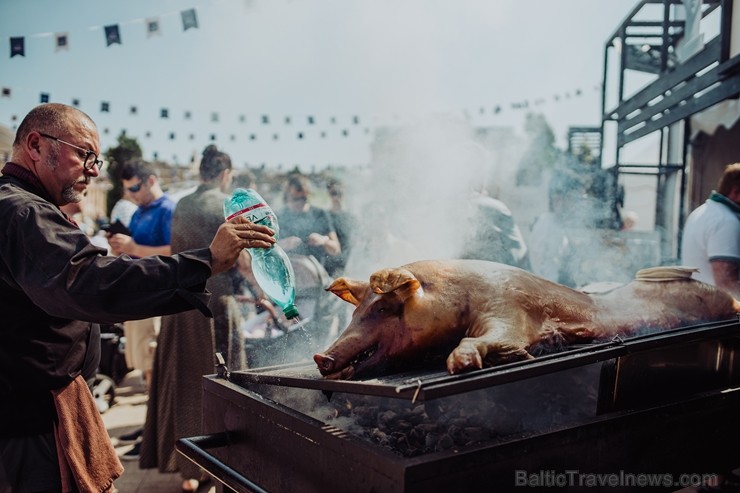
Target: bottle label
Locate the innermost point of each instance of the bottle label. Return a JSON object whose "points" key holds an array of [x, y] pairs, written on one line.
{"points": [[254, 213]]}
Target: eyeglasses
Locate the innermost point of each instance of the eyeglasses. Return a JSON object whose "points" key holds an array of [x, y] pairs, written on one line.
{"points": [[297, 198], [88, 163], [135, 188]]}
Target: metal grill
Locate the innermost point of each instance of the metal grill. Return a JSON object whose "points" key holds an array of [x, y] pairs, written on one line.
{"points": [[654, 403]]}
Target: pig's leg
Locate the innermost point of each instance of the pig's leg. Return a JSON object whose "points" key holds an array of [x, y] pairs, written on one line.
{"points": [[494, 342]]}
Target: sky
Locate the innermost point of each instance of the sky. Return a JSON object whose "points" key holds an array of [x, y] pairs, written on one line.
{"points": [[326, 73]]}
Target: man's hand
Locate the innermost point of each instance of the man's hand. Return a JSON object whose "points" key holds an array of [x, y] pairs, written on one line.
{"points": [[121, 243], [234, 236]]}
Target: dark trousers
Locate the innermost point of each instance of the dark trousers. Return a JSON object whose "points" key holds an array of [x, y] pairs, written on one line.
{"points": [[29, 465]]}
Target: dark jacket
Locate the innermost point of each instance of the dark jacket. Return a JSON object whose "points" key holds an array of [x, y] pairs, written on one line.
{"points": [[55, 287]]}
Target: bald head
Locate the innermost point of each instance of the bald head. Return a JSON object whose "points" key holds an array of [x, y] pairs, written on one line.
{"points": [[53, 119]]}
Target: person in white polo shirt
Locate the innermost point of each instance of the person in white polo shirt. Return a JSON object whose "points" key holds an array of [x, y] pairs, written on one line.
{"points": [[711, 238]]}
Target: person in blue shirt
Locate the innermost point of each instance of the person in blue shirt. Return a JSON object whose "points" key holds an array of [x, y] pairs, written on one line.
{"points": [[151, 224], [151, 233]]}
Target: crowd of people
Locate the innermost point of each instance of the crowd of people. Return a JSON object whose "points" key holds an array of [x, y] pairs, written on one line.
{"points": [[170, 272], [173, 352], [167, 270]]}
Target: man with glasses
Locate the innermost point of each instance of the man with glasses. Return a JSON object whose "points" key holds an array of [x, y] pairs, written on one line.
{"points": [[55, 287]]}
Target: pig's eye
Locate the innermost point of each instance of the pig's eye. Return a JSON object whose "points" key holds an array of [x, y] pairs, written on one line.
{"points": [[387, 309]]}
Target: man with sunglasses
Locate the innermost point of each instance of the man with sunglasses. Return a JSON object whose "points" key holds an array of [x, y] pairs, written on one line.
{"points": [[55, 287], [150, 226]]}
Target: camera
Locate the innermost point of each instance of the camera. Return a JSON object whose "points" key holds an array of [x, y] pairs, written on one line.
{"points": [[116, 228]]}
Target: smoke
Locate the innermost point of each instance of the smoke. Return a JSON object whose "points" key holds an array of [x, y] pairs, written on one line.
{"points": [[414, 201]]}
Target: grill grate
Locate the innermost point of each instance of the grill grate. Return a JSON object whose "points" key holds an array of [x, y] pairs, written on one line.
{"points": [[432, 384]]}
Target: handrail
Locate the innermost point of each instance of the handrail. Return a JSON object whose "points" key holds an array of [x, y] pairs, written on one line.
{"points": [[193, 448]]}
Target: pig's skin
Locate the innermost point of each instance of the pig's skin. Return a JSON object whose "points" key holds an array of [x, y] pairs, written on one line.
{"points": [[480, 313]]}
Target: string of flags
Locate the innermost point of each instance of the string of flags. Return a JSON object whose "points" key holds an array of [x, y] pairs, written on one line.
{"points": [[273, 127], [112, 33]]}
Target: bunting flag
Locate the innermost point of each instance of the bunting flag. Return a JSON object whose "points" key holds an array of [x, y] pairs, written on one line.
{"points": [[112, 35], [189, 19], [307, 127], [152, 27], [62, 41], [17, 46]]}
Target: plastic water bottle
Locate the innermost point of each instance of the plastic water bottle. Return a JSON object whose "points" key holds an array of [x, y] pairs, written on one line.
{"points": [[248, 202], [271, 266]]}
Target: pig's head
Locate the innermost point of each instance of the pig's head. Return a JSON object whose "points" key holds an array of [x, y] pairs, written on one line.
{"points": [[392, 325]]}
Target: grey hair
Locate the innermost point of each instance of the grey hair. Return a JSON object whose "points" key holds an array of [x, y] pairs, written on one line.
{"points": [[50, 118]]}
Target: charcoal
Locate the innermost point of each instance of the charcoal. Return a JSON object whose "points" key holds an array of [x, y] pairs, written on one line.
{"points": [[430, 441], [404, 426], [445, 443], [464, 420], [476, 434], [387, 418]]}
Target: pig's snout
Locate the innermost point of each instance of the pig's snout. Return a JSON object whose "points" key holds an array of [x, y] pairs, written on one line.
{"points": [[324, 362]]}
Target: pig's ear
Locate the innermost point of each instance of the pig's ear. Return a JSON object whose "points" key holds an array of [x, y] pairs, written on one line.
{"points": [[350, 290], [400, 281]]}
